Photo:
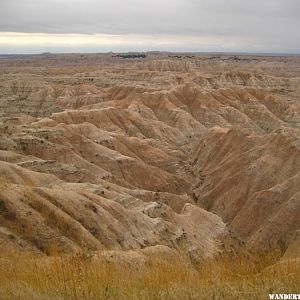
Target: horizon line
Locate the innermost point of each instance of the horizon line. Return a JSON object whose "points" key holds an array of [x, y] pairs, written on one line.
{"points": [[160, 51]]}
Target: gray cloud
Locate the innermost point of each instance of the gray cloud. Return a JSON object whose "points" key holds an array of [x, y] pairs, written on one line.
{"points": [[271, 24]]}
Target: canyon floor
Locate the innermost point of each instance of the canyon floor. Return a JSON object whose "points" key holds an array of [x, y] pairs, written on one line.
{"points": [[165, 156]]}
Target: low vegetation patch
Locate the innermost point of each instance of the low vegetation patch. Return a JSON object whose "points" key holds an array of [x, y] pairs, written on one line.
{"points": [[85, 277]]}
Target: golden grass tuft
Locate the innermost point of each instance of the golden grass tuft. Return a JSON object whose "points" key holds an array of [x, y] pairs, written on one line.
{"points": [[85, 276]]}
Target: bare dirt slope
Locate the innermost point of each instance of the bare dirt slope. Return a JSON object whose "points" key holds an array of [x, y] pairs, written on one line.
{"points": [[191, 152]]}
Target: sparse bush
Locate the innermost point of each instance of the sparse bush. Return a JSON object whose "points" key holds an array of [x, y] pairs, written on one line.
{"points": [[283, 244], [77, 91], [2, 89], [57, 91], [2, 206], [21, 89]]}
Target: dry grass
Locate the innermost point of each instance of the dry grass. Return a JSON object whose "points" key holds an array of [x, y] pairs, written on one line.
{"points": [[86, 277]]}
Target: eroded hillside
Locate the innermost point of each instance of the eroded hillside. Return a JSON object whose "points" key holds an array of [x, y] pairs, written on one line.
{"points": [[195, 153]]}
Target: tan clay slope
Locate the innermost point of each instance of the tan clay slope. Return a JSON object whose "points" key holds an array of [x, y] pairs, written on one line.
{"points": [[251, 181], [65, 219], [124, 156]]}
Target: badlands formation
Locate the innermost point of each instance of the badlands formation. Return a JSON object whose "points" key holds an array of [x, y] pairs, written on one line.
{"points": [[166, 152]]}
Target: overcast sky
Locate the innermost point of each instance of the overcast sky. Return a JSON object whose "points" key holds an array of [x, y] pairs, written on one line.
{"points": [[34, 26]]}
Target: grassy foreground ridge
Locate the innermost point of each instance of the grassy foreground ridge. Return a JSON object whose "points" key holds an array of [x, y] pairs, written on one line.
{"points": [[85, 276]]}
